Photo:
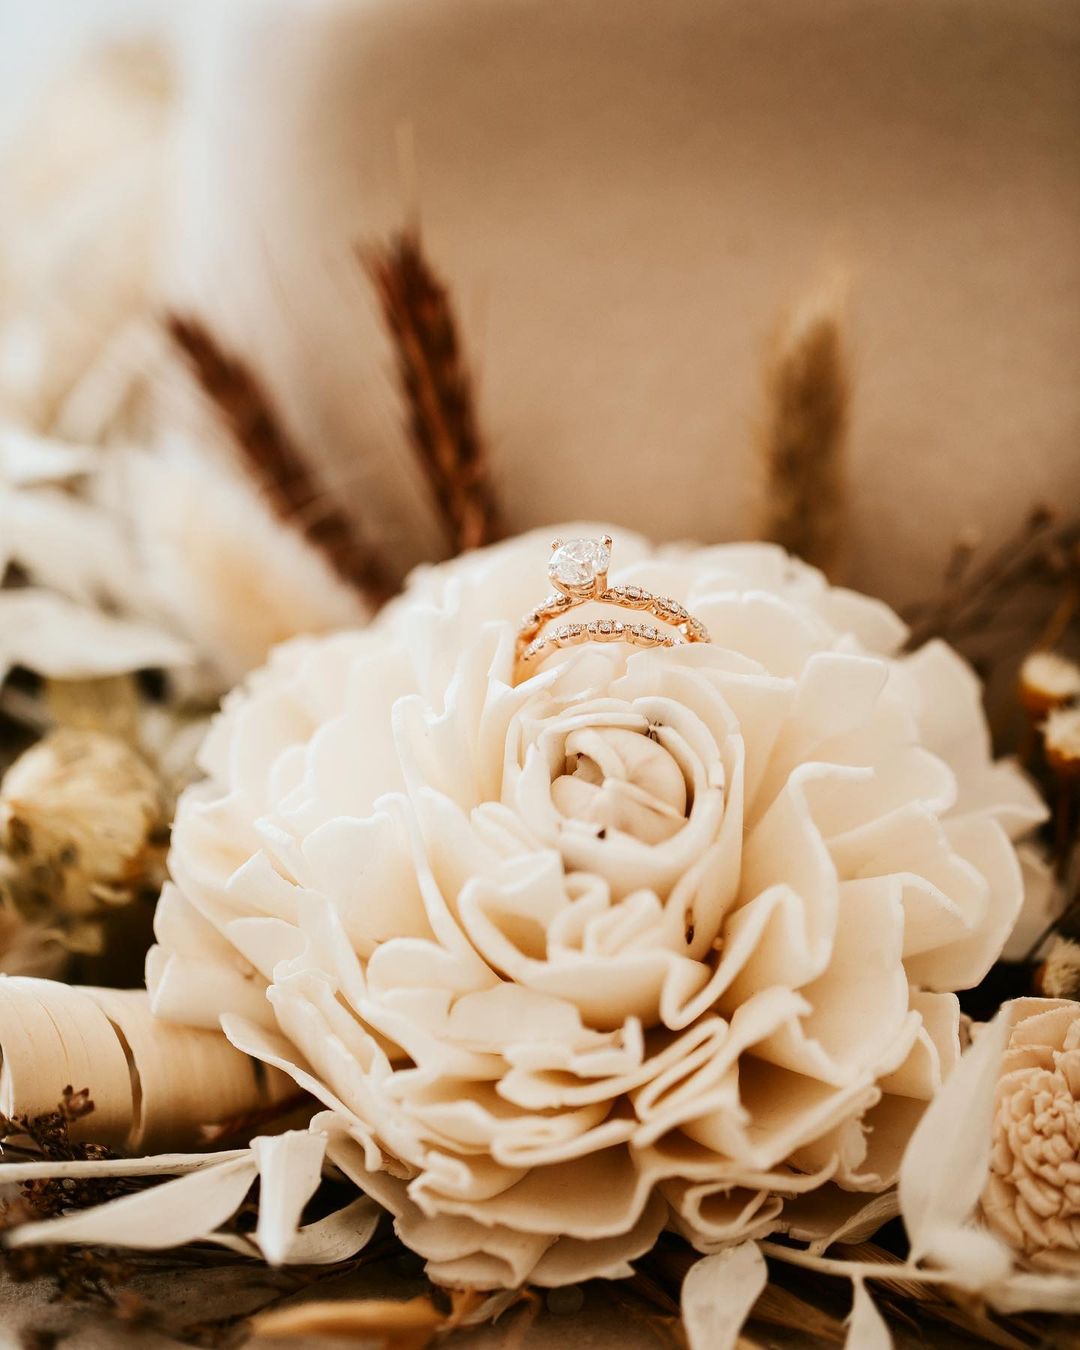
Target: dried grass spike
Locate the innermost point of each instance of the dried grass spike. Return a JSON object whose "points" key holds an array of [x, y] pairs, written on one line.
{"points": [[443, 424], [277, 464], [803, 433]]}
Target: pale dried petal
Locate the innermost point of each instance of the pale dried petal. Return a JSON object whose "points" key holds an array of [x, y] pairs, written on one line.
{"points": [[718, 1295], [866, 1329], [290, 1168], [28, 460], [170, 1215], [946, 1164], [53, 636]]}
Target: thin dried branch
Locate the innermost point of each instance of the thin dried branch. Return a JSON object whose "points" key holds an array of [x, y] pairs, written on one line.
{"points": [[278, 465], [86, 1273], [802, 436], [436, 382], [1044, 550]]}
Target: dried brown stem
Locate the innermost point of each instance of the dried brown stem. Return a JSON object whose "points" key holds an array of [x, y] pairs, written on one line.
{"points": [[276, 462], [435, 379], [803, 434]]}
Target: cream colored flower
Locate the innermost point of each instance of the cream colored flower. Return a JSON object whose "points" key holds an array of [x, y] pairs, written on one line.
{"points": [[1032, 1198], [663, 937]]}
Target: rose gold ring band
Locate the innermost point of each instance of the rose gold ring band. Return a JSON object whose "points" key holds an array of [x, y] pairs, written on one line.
{"points": [[578, 569]]}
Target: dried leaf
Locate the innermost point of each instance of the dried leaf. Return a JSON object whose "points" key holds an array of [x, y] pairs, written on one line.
{"points": [[58, 638], [337, 1237], [290, 1166], [866, 1328], [718, 1295], [177, 1212], [1035, 1292], [67, 544], [946, 1163], [28, 460]]}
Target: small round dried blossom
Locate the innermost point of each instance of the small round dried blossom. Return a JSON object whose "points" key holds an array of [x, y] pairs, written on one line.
{"points": [[1048, 681], [1061, 737], [1032, 1197], [81, 823]]}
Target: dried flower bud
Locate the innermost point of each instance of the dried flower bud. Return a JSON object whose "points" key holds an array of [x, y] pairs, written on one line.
{"points": [[1061, 737], [1048, 681], [81, 823], [1059, 975]]}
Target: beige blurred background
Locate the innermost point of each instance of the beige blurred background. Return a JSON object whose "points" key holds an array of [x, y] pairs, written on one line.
{"points": [[626, 196]]}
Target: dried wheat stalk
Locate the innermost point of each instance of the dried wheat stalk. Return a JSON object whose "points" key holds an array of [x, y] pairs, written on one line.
{"points": [[435, 378], [278, 465], [803, 433]]}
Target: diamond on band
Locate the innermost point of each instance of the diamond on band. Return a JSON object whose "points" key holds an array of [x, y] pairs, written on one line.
{"points": [[578, 570]]}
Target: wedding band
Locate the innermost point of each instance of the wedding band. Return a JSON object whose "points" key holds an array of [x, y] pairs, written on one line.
{"points": [[578, 569]]}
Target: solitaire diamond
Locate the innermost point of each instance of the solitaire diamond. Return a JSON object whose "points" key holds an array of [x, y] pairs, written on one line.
{"points": [[578, 563]]}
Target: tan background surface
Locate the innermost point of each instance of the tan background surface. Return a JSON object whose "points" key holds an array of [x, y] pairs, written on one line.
{"points": [[626, 195]]}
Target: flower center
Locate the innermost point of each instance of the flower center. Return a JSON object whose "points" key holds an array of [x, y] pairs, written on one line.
{"points": [[617, 779]]}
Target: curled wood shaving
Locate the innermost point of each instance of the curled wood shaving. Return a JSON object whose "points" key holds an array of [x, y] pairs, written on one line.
{"points": [[156, 1085]]}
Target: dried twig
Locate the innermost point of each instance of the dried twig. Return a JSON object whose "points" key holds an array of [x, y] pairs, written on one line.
{"points": [[84, 1273], [436, 381], [803, 434], [278, 465], [1043, 550]]}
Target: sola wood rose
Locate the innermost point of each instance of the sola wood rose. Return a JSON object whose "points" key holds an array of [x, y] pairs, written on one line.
{"points": [[1032, 1196], [654, 937]]}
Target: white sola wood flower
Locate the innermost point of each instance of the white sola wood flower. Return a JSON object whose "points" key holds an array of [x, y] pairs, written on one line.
{"points": [[655, 937]]}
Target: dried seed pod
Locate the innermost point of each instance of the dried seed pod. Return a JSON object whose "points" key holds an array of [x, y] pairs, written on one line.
{"points": [[81, 823]]}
